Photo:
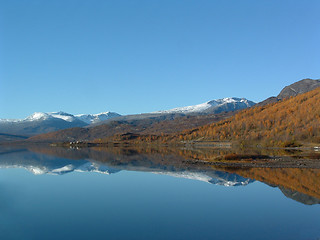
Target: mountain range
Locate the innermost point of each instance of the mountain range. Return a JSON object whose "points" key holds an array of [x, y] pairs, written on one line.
{"points": [[172, 121], [290, 122], [60, 126], [214, 106], [39, 123]]}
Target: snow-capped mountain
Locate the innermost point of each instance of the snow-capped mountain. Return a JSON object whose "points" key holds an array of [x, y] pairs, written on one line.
{"points": [[40, 122], [214, 106], [95, 118], [38, 116], [87, 118]]}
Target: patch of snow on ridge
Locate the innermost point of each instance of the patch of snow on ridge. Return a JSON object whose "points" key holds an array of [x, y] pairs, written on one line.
{"points": [[64, 169], [223, 101], [64, 116], [97, 168], [188, 109], [38, 116], [43, 116], [187, 175], [228, 183], [36, 170]]}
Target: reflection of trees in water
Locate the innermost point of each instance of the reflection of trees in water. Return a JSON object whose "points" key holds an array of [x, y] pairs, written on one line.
{"points": [[303, 180]]}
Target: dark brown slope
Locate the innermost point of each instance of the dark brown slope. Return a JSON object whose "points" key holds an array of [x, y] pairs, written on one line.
{"points": [[142, 126]]}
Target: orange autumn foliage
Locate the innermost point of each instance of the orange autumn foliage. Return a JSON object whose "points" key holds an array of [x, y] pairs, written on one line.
{"points": [[282, 123]]}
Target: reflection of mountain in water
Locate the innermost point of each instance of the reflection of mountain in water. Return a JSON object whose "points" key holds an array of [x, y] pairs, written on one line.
{"points": [[298, 184], [45, 164]]}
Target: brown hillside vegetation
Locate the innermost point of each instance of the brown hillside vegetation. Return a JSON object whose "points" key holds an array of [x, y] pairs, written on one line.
{"points": [[285, 123], [282, 123]]}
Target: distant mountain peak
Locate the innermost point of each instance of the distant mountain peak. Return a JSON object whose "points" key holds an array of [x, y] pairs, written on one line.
{"points": [[302, 86], [40, 116], [37, 116], [213, 106], [95, 118]]}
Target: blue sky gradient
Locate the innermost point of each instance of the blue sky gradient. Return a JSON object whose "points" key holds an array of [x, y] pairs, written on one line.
{"points": [[142, 56]]}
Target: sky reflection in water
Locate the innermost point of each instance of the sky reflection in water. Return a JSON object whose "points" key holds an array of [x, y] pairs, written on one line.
{"points": [[142, 205]]}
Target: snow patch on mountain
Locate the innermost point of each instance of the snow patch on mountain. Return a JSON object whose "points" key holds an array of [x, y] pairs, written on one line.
{"points": [[187, 175], [38, 116], [228, 183], [64, 116], [188, 109]]}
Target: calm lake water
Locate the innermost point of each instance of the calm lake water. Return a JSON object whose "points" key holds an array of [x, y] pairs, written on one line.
{"points": [[89, 194]]}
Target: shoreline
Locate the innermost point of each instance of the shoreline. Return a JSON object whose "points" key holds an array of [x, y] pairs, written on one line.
{"points": [[227, 157]]}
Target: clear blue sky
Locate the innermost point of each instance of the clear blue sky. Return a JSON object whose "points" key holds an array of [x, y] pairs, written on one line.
{"points": [[142, 56]]}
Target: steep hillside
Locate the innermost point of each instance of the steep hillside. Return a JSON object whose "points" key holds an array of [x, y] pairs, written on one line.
{"points": [[294, 119], [286, 123]]}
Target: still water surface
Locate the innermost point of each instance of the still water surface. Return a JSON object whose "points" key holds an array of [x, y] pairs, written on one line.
{"points": [[50, 196]]}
